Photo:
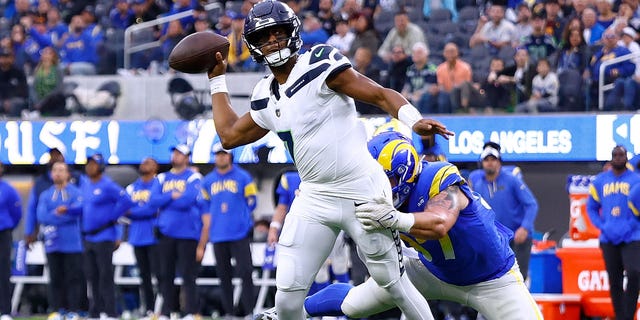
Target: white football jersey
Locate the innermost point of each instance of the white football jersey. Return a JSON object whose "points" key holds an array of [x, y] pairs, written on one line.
{"points": [[318, 125]]}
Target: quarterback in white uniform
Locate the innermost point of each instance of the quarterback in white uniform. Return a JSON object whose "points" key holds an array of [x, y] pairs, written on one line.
{"points": [[308, 102]]}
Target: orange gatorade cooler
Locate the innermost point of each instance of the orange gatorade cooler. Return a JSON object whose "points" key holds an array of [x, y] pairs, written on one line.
{"points": [[584, 273], [580, 226], [558, 306]]}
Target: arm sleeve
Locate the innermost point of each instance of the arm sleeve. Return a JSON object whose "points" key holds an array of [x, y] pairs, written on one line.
{"points": [[42, 212], [204, 202], [74, 208], [593, 207], [158, 198], [31, 219], [250, 192], [44, 40], [123, 201], [189, 196], [634, 200], [16, 207], [529, 204], [48, 217], [143, 210], [283, 195]]}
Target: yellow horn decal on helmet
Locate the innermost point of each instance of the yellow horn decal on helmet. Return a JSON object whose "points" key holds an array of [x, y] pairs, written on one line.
{"points": [[385, 158]]}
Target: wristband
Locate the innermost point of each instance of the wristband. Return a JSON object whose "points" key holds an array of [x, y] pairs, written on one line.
{"points": [[405, 221], [275, 224], [218, 84], [409, 115]]}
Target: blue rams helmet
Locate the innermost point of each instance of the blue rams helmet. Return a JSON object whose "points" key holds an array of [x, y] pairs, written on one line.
{"points": [[399, 160], [263, 16]]}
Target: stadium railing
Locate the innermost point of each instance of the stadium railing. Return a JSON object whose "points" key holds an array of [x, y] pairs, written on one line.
{"points": [[605, 87], [128, 33], [125, 257], [35, 257]]}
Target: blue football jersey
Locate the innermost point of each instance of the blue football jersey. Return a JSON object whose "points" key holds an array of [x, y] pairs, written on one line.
{"points": [[476, 249], [289, 184]]}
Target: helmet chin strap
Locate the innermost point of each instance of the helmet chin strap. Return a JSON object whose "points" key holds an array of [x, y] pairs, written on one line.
{"points": [[278, 58]]}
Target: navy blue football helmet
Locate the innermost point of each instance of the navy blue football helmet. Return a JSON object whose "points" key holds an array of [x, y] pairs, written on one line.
{"points": [[263, 16]]}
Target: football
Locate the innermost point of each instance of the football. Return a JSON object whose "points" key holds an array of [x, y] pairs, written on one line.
{"points": [[196, 53]]}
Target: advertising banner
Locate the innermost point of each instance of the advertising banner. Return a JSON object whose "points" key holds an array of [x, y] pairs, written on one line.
{"points": [[523, 138]]}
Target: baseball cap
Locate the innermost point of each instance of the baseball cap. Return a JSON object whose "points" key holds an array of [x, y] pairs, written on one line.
{"points": [[234, 15], [630, 32], [182, 148], [490, 149], [539, 14], [99, 159], [218, 148]]}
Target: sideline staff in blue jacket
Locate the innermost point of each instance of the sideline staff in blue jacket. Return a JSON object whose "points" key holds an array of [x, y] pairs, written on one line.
{"points": [[104, 202], [10, 215], [143, 221], [41, 183], [608, 209], [59, 210], [179, 229], [514, 204], [231, 197]]}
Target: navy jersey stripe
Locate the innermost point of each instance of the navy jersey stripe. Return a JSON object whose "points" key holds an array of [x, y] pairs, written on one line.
{"points": [[338, 70], [306, 79], [257, 105]]}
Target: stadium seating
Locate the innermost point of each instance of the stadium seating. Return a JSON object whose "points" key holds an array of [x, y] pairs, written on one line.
{"points": [[440, 15], [571, 91]]}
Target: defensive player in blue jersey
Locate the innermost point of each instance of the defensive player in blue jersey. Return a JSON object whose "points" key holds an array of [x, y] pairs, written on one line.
{"points": [[457, 251]]}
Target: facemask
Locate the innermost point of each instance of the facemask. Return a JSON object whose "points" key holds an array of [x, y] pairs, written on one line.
{"points": [[278, 58]]}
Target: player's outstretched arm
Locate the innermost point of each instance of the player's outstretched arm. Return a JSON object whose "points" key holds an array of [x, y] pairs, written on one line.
{"points": [[438, 217], [360, 87], [440, 214], [233, 130]]}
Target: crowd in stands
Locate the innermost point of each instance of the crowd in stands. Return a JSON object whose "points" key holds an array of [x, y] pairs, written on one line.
{"points": [[445, 56]]}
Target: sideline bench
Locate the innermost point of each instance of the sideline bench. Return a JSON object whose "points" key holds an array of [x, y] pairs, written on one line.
{"points": [[125, 257]]}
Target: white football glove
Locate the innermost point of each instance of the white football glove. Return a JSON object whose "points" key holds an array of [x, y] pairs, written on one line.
{"points": [[382, 215]]}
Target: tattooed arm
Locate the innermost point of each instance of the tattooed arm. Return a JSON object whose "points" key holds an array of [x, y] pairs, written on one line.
{"points": [[440, 214]]}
